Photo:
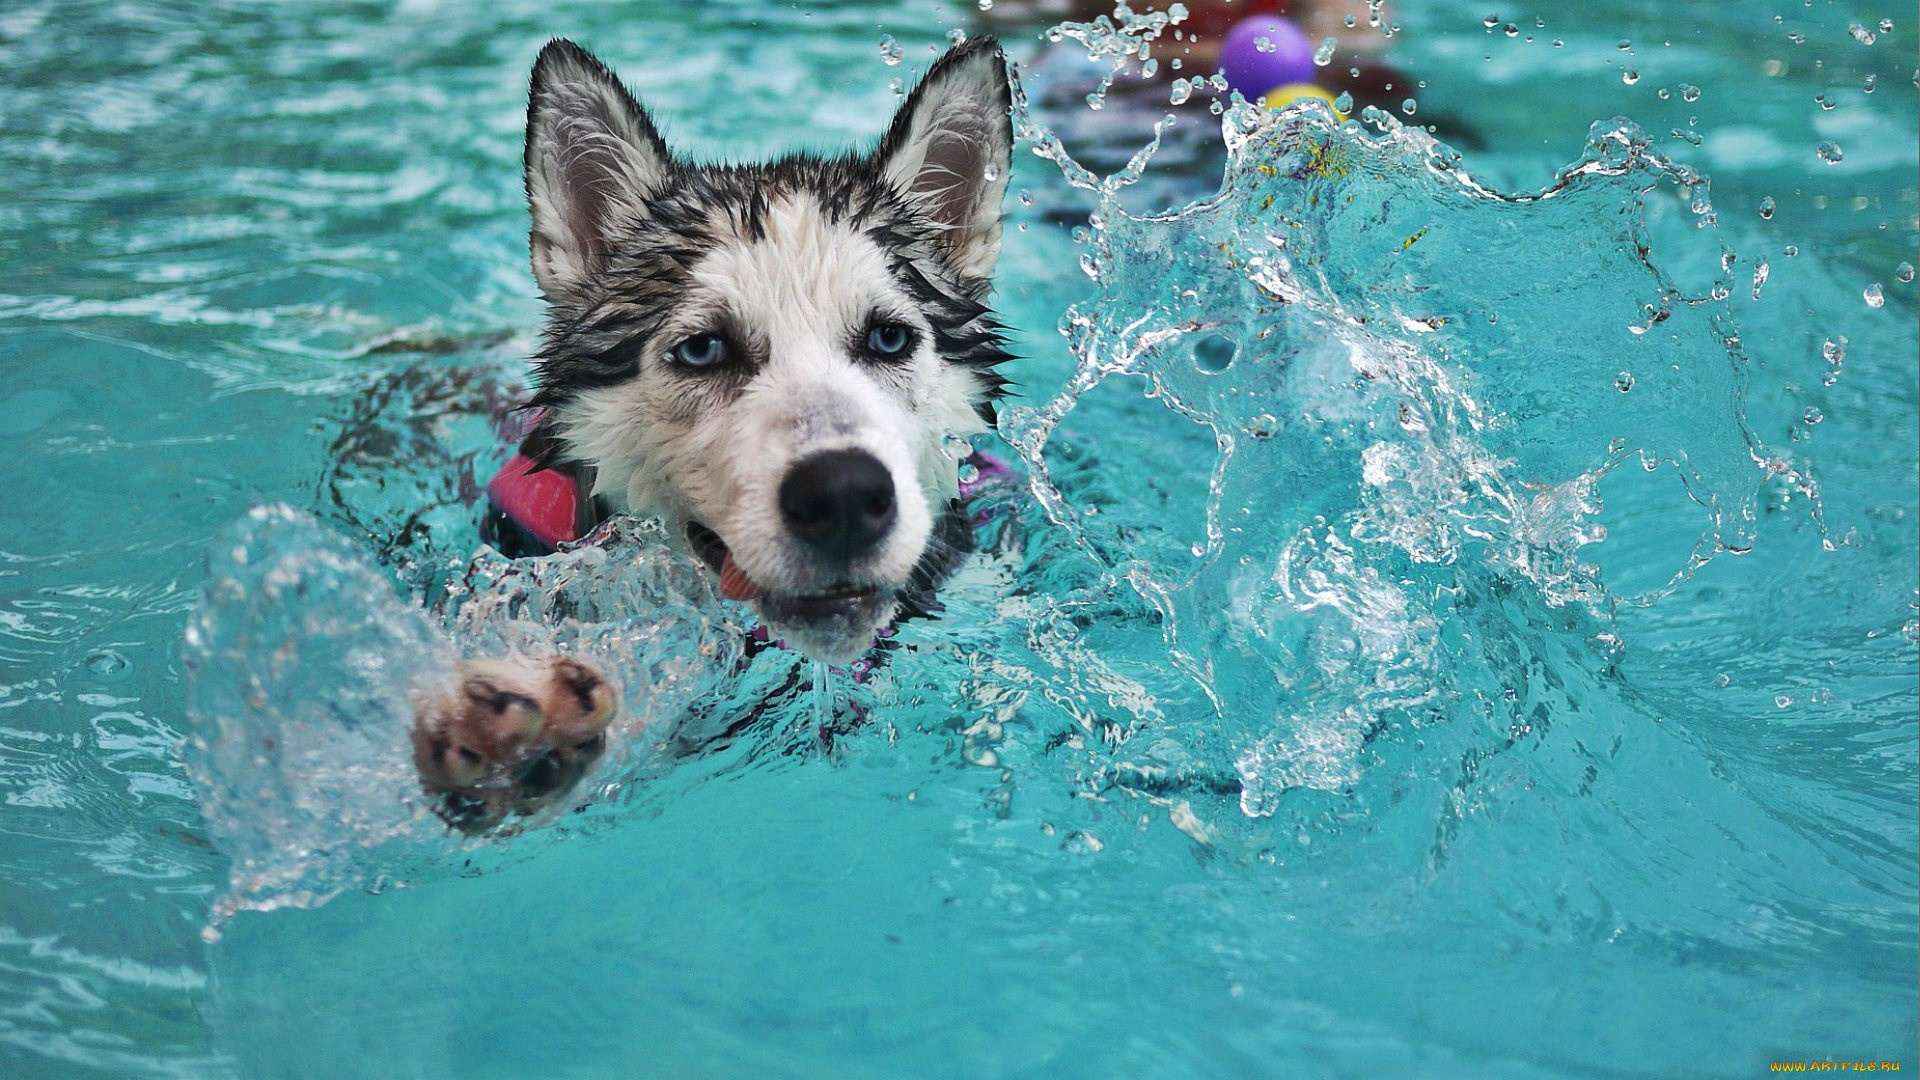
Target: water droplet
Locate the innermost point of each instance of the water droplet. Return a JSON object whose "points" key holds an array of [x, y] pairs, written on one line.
{"points": [[107, 664], [1343, 104], [890, 51], [1871, 81], [1689, 92], [1629, 76], [1663, 93], [1323, 55], [1766, 208], [1723, 680], [1623, 382], [986, 5], [1182, 90], [1860, 33], [1826, 103], [1903, 273], [1626, 46], [1408, 106], [1874, 295], [1886, 26], [1797, 37], [1813, 415], [1263, 45], [1491, 21], [1791, 251], [956, 36], [1834, 352], [1829, 152], [1760, 271]]}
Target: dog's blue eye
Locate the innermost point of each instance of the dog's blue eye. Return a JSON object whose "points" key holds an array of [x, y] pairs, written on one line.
{"points": [[701, 351], [888, 339]]}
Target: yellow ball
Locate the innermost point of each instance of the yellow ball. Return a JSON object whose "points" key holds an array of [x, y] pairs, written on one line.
{"points": [[1282, 96]]}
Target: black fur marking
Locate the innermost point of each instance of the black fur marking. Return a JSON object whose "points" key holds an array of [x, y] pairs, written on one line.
{"points": [[965, 332]]}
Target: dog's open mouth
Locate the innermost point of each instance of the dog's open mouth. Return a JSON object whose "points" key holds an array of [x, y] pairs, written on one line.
{"points": [[844, 600]]}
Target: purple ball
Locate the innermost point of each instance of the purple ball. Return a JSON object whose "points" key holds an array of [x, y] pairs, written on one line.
{"points": [[1254, 72]]}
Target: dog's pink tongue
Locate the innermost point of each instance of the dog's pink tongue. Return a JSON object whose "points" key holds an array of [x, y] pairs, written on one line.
{"points": [[734, 582]]}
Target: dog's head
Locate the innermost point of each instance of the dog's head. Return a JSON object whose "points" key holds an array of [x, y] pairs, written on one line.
{"points": [[772, 358]]}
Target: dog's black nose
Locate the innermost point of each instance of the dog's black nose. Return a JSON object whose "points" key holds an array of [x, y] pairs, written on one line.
{"points": [[840, 503]]}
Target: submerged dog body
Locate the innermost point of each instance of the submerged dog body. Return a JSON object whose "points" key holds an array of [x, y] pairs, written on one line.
{"points": [[772, 359]]}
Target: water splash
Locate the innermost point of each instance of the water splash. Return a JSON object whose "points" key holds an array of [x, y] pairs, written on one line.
{"points": [[1118, 42], [1411, 437], [304, 663], [300, 668]]}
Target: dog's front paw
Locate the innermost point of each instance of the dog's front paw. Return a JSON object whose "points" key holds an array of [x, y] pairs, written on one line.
{"points": [[511, 738]]}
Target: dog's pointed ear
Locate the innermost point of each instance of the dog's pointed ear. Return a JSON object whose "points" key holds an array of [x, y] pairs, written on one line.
{"points": [[592, 157], [951, 147]]}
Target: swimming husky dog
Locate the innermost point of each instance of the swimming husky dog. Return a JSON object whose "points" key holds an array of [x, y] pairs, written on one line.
{"points": [[768, 358]]}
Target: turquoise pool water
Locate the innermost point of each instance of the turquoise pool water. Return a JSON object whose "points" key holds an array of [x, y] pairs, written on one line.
{"points": [[1441, 639]]}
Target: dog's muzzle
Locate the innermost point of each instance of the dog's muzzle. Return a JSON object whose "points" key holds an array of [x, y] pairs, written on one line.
{"points": [[839, 503], [838, 512]]}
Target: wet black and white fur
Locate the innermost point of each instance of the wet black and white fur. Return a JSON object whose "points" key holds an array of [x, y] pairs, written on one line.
{"points": [[770, 358]]}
